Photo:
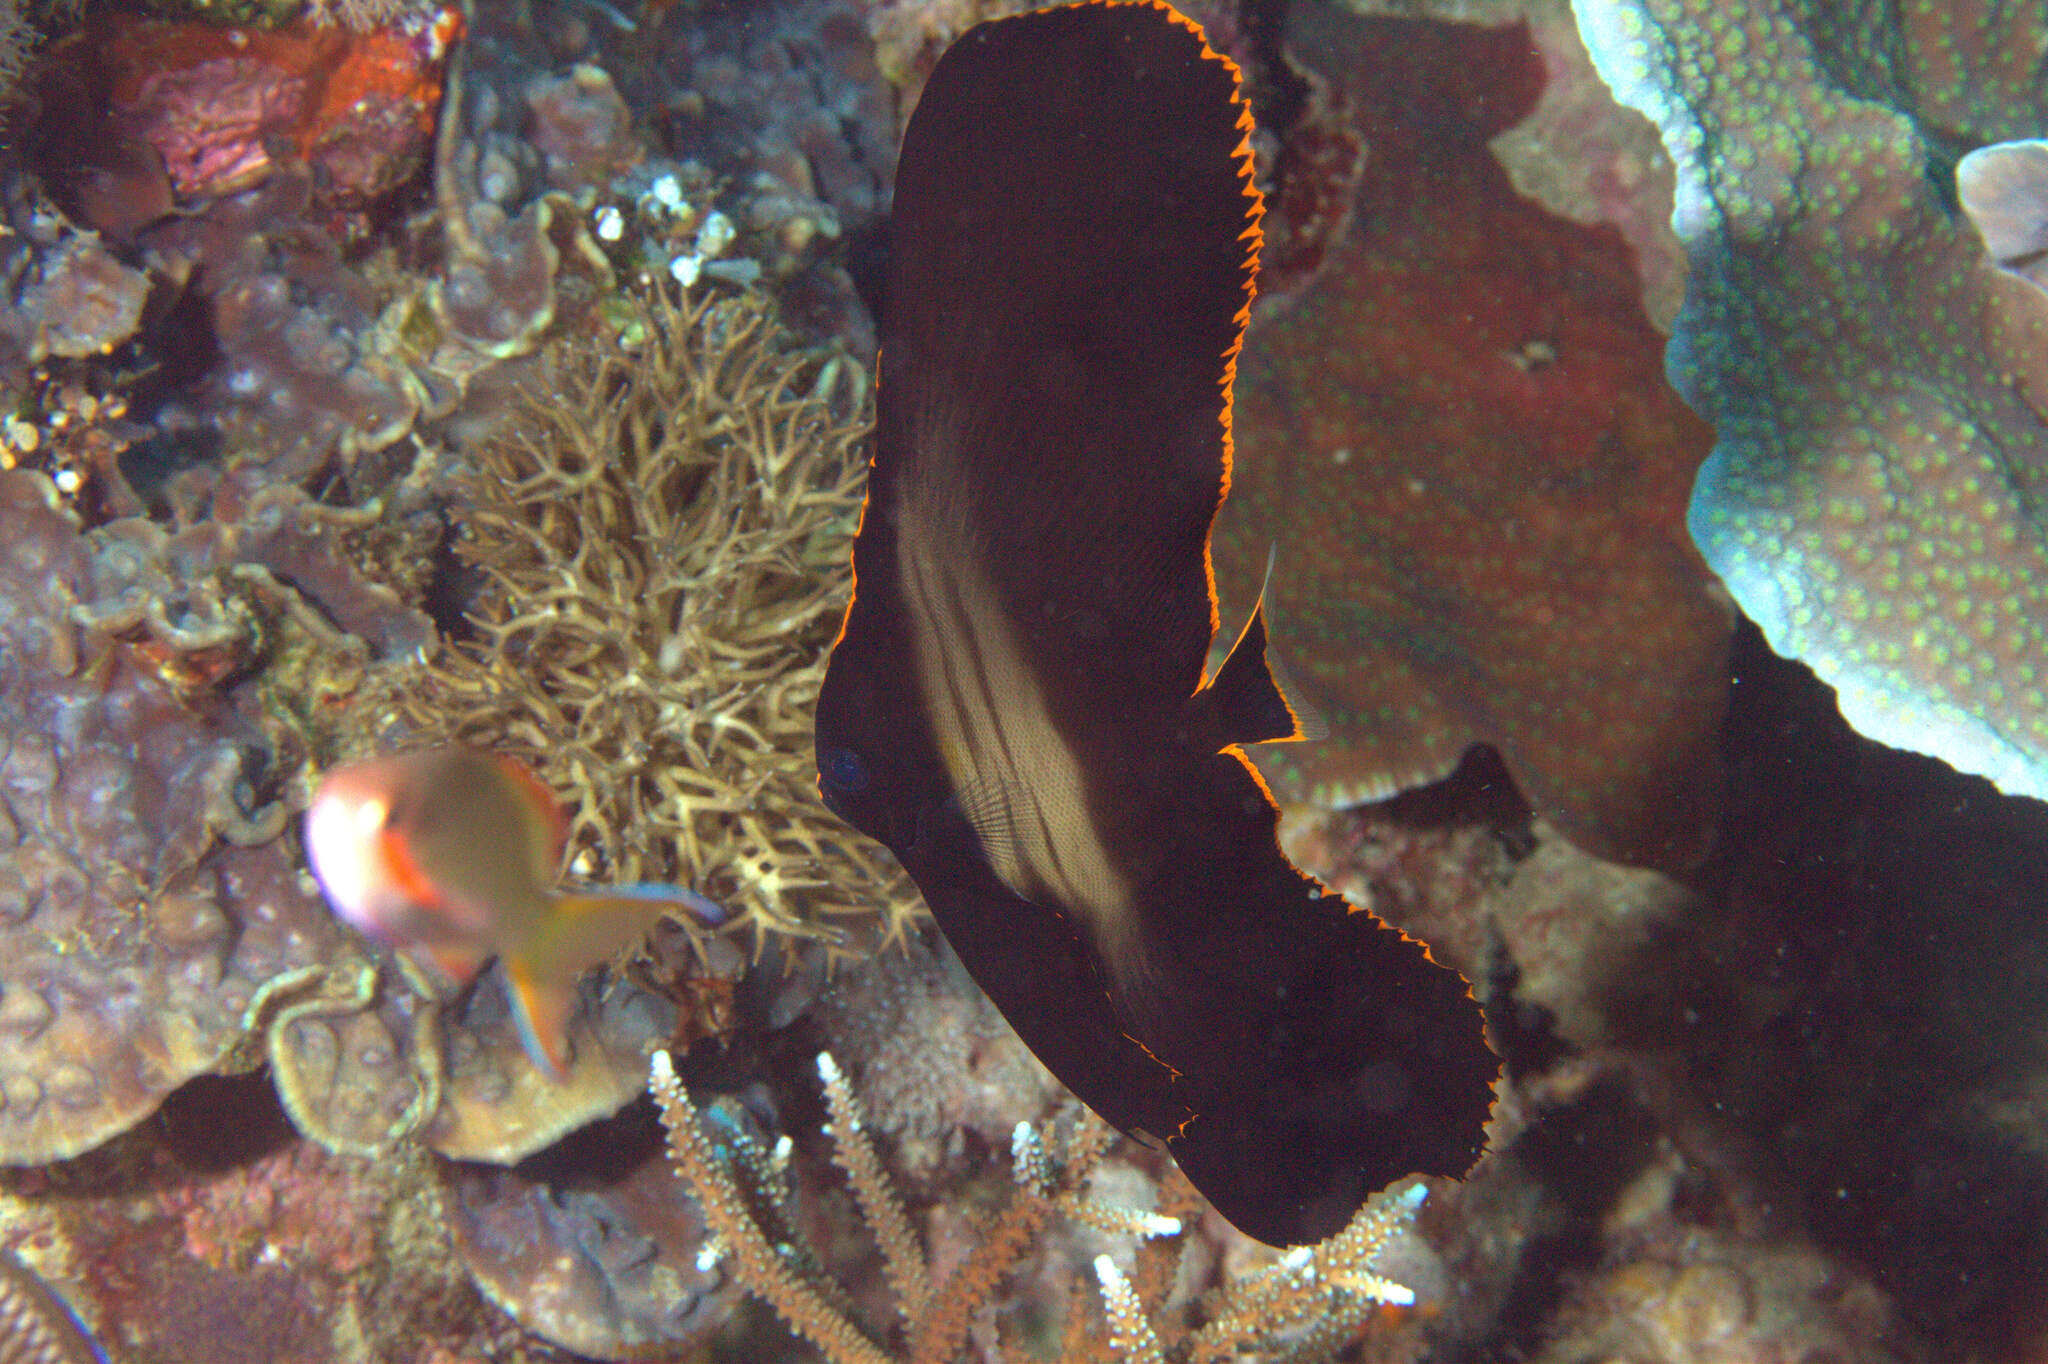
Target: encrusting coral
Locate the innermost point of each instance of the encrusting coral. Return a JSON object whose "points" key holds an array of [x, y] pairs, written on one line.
{"points": [[1308, 1306], [152, 915], [666, 554], [145, 902], [1874, 498], [1456, 435]]}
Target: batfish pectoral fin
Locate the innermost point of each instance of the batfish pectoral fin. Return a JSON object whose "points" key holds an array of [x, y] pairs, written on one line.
{"points": [[1243, 704], [1249, 699]]}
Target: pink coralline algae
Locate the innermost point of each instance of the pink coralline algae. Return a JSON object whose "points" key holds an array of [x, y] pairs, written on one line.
{"points": [[1457, 437], [1876, 382], [222, 107]]}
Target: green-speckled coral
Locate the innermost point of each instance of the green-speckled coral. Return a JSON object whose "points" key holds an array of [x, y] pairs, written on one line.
{"points": [[1874, 501]]}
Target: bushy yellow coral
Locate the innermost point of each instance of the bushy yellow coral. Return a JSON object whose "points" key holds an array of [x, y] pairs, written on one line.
{"points": [[666, 547]]}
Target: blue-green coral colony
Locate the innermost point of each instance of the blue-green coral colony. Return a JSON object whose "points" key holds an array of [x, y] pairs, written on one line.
{"points": [[1873, 500]]}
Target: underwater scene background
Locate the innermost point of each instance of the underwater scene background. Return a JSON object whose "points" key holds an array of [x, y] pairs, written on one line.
{"points": [[1642, 412]]}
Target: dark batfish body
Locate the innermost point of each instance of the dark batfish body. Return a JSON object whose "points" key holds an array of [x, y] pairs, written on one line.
{"points": [[1016, 704]]}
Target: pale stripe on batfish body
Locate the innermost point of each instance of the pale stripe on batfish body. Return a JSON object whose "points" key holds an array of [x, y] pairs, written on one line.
{"points": [[450, 855], [1019, 783], [1016, 705]]}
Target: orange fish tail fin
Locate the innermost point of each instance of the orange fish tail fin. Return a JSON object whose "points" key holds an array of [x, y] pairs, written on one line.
{"points": [[582, 930], [541, 1007], [591, 927]]}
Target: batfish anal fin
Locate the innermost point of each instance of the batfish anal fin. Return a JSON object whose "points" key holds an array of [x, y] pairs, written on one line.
{"points": [[540, 1008], [1348, 1061], [1310, 724]]}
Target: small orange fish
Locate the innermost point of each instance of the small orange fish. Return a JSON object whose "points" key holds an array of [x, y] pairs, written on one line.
{"points": [[451, 855]]}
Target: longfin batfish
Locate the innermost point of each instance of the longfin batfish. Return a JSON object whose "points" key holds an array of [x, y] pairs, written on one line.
{"points": [[1016, 704], [451, 856]]}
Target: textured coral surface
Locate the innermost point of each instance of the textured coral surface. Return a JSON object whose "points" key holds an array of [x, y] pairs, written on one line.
{"points": [[136, 934], [1455, 440], [1873, 500], [1788, 1110]]}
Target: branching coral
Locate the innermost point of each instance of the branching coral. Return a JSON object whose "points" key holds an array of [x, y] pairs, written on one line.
{"points": [[746, 1204], [361, 15], [1308, 1305], [667, 553]]}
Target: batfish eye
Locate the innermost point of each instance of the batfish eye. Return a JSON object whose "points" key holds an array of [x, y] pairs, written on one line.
{"points": [[844, 769]]}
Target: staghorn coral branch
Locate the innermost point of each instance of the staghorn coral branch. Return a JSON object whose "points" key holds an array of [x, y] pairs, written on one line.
{"points": [[1005, 1238], [764, 1270], [1129, 1331], [938, 1320], [902, 1259], [1317, 1297]]}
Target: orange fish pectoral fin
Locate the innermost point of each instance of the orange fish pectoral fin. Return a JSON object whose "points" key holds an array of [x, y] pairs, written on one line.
{"points": [[541, 1008]]}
